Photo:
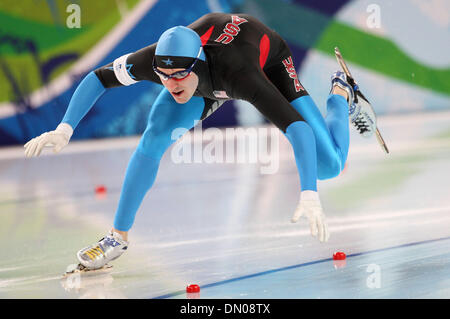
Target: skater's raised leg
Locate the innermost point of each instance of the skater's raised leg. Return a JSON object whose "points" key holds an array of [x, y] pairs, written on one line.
{"points": [[331, 132]]}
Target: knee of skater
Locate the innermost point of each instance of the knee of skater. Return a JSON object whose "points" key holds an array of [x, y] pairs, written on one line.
{"points": [[154, 143], [331, 168], [299, 130]]}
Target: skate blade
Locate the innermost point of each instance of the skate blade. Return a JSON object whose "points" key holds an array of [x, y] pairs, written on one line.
{"points": [[80, 269], [344, 67]]}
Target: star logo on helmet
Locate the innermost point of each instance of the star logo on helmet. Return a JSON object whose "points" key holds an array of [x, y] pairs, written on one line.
{"points": [[168, 61]]}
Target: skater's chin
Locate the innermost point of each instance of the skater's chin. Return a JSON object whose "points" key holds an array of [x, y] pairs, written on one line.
{"points": [[182, 97]]}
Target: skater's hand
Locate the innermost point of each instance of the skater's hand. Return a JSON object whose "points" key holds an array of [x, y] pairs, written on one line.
{"points": [[57, 139], [311, 208]]}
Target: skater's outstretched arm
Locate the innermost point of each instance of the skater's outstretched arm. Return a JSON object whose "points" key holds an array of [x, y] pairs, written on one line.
{"points": [[125, 70], [85, 96]]}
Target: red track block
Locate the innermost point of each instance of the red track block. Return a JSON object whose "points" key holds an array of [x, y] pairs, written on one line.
{"points": [[100, 192], [192, 288], [100, 189], [339, 255]]}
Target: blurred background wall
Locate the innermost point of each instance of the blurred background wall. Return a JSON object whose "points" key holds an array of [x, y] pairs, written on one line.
{"points": [[399, 51]]}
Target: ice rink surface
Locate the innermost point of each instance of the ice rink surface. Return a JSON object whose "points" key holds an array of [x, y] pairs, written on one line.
{"points": [[226, 227]]}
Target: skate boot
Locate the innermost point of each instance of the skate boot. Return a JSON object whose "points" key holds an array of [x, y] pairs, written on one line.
{"points": [[361, 114], [100, 254]]}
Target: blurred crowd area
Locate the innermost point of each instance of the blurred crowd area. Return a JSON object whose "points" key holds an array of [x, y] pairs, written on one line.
{"points": [[397, 49]]}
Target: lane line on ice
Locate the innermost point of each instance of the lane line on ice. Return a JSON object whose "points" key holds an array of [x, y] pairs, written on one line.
{"points": [[267, 272]]}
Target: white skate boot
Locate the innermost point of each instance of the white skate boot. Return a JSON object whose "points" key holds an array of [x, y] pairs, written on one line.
{"points": [[360, 112], [101, 253]]}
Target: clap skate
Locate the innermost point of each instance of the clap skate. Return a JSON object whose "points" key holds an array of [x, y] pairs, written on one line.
{"points": [[97, 256], [361, 116], [361, 112]]}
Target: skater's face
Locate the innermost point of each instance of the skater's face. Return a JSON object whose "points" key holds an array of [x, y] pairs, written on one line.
{"points": [[181, 89]]}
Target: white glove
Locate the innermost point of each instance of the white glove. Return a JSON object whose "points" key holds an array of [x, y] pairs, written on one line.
{"points": [[57, 139], [310, 207]]}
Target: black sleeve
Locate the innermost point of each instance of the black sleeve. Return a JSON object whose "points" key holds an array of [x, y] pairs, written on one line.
{"points": [[130, 69]]}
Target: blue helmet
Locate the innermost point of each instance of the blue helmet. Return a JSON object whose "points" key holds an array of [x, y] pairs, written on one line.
{"points": [[182, 45]]}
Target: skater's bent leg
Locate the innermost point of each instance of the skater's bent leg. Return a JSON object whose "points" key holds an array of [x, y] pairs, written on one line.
{"points": [[331, 135], [166, 115], [276, 108], [302, 139], [337, 122]]}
